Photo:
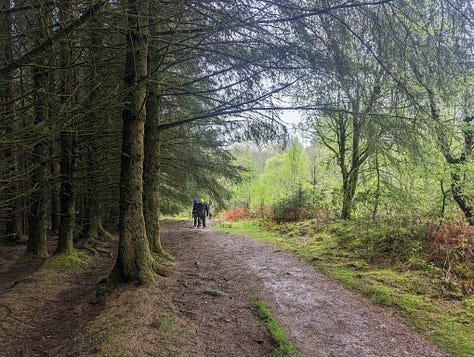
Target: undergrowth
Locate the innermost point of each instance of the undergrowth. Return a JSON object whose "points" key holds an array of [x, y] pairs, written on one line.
{"points": [[422, 270]]}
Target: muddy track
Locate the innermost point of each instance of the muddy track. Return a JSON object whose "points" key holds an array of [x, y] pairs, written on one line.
{"points": [[204, 298], [322, 318]]}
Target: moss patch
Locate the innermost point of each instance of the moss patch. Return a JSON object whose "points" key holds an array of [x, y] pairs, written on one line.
{"points": [[71, 260], [281, 344]]}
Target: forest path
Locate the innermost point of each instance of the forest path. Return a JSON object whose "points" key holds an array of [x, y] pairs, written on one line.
{"points": [[200, 309], [320, 317]]}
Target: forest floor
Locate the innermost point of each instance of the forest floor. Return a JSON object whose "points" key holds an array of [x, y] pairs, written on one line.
{"points": [[201, 308]]}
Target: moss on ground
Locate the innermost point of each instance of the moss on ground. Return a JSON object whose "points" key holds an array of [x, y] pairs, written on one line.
{"points": [[71, 260], [282, 346]]}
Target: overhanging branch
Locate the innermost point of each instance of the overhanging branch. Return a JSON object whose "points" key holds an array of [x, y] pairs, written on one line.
{"points": [[40, 49]]}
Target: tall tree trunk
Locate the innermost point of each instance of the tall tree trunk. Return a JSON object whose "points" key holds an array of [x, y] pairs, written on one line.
{"points": [[92, 214], [67, 140], [346, 198], [348, 170], [55, 208], [66, 193], [350, 177], [349, 185], [93, 227], [39, 198], [7, 111], [151, 173], [151, 165], [38, 218], [134, 261], [377, 189]]}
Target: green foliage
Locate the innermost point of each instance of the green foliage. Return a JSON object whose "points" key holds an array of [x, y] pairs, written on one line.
{"points": [[392, 184], [194, 162], [280, 183], [296, 207], [396, 239]]}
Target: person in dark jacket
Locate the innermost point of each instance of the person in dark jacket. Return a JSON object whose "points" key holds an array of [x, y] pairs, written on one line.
{"points": [[203, 211], [195, 212]]}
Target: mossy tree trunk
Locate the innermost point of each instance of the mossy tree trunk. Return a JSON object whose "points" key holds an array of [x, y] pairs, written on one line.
{"points": [[92, 214], [350, 170], [67, 202], [134, 261], [39, 199], [93, 218], [67, 139], [55, 206], [9, 125], [151, 173], [38, 218], [151, 168]]}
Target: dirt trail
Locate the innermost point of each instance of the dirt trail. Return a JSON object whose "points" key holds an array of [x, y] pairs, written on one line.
{"points": [[322, 318], [200, 309]]}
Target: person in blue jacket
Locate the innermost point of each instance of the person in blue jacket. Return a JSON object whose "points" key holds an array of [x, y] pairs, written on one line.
{"points": [[195, 212]]}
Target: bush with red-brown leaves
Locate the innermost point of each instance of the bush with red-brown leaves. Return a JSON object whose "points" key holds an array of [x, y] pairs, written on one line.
{"points": [[453, 242], [452, 249], [236, 214]]}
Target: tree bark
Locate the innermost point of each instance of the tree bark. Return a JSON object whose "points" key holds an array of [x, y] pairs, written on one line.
{"points": [[92, 214], [377, 189], [93, 228], [38, 213], [151, 165], [66, 193], [7, 111], [55, 206], [134, 262], [349, 170], [67, 140], [151, 173], [350, 176]]}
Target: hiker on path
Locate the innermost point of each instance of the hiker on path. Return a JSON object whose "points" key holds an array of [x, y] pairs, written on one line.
{"points": [[195, 212], [203, 212]]}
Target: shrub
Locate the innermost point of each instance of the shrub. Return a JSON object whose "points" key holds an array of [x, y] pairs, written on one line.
{"points": [[452, 243], [397, 240], [294, 208], [236, 214], [452, 249]]}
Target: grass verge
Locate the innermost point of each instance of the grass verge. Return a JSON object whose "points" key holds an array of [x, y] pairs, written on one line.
{"points": [[414, 288], [282, 346]]}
